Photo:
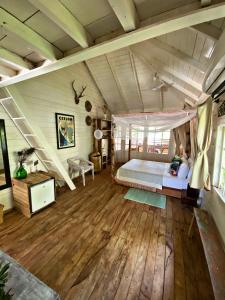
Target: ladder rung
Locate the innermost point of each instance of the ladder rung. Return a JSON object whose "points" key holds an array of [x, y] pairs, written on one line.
{"points": [[6, 98], [19, 118], [29, 134], [48, 161]]}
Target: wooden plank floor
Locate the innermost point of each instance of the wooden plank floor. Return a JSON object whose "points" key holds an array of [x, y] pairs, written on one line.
{"points": [[93, 244]]}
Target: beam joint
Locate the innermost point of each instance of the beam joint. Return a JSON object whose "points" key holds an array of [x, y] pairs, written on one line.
{"points": [[126, 13]]}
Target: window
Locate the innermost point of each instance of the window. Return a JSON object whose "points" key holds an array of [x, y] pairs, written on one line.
{"points": [[137, 138], [118, 136], [158, 141]]}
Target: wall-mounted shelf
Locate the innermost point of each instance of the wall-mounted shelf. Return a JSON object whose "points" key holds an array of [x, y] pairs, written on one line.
{"points": [[103, 146]]}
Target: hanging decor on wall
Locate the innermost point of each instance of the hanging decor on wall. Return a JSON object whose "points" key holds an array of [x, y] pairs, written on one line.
{"points": [[98, 134], [88, 106], [65, 130], [88, 120], [78, 95]]}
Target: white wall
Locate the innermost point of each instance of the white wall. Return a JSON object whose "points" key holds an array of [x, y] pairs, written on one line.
{"points": [[46, 95], [15, 142], [214, 203]]}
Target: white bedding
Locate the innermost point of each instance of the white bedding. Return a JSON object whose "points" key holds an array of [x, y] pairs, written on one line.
{"points": [[175, 182], [151, 174]]}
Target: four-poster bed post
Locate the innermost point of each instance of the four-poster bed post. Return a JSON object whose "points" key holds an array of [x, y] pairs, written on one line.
{"points": [[129, 142]]}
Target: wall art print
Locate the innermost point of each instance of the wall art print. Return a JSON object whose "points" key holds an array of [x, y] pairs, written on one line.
{"points": [[65, 131]]}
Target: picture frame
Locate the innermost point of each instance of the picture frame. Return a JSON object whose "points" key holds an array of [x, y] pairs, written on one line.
{"points": [[65, 130]]}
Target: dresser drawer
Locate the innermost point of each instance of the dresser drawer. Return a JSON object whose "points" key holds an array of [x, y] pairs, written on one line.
{"points": [[42, 194]]}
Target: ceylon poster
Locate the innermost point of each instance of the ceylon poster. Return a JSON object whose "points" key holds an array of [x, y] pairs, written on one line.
{"points": [[65, 130]]}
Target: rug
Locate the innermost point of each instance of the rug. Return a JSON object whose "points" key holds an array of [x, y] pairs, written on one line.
{"points": [[142, 196]]}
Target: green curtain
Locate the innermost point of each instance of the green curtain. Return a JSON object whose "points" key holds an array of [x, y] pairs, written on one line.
{"points": [[200, 176]]}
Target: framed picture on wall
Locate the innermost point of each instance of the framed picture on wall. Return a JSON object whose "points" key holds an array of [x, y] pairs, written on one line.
{"points": [[65, 131]]}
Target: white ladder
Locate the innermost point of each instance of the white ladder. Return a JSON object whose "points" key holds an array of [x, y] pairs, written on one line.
{"points": [[18, 111]]}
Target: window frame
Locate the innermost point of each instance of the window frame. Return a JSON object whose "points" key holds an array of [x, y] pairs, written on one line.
{"points": [[118, 137], [154, 145], [138, 146], [219, 150]]}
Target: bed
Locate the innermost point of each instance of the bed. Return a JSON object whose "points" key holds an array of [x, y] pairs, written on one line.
{"points": [[153, 176]]}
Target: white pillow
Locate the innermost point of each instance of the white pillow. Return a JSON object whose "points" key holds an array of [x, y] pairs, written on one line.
{"points": [[183, 171], [190, 173]]}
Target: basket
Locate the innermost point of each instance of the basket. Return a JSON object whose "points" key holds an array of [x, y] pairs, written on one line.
{"points": [[95, 158]]}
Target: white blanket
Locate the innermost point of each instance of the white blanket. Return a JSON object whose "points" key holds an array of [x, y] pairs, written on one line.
{"points": [[149, 173]]}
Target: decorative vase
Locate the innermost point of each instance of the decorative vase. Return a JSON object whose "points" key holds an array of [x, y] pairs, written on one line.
{"points": [[21, 173]]}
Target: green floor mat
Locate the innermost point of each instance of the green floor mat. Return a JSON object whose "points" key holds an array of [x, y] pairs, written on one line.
{"points": [[146, 197]]}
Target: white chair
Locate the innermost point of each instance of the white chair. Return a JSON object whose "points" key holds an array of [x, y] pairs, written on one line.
{"points": [[77, 164]]}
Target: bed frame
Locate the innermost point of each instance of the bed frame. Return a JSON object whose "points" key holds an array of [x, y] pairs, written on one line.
{"points": [[164, 191]]}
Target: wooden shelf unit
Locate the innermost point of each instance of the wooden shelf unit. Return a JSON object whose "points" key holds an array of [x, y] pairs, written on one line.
{"points": [[103, 146]]}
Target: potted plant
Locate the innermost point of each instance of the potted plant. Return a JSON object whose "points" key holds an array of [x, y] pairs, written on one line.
{"points": [[3, 280], [22, 155]]}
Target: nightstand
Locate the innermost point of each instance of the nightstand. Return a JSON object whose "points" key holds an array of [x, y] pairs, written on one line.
{"points": [[33, 193]]}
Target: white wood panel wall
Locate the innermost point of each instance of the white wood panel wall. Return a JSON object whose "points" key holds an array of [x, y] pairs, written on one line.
{"points": [[49, 94], [214, 203], [15, 142], [53, 93]]}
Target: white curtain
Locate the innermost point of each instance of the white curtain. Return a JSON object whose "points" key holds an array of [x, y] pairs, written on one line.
{"points": [[200, 177]]}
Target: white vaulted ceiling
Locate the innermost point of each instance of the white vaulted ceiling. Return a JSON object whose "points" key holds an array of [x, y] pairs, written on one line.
{"points": [[57, 30]]}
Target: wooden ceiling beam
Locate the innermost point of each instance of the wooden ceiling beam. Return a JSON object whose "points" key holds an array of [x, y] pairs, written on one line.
{"points": [[136, 79], [208, 30], [164, 75], [206, 2], [119, 87], [35, 41], [61, 16], [216, 63], [178, 75], [168, 25], [6, 72], [14, 60], [184, 58], [126, 13]]}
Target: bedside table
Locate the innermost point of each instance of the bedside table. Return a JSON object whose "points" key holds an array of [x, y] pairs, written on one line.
{"points": [[33, 193]]}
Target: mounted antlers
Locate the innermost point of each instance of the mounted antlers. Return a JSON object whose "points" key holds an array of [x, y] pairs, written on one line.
{"points": [[80, 95]]}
